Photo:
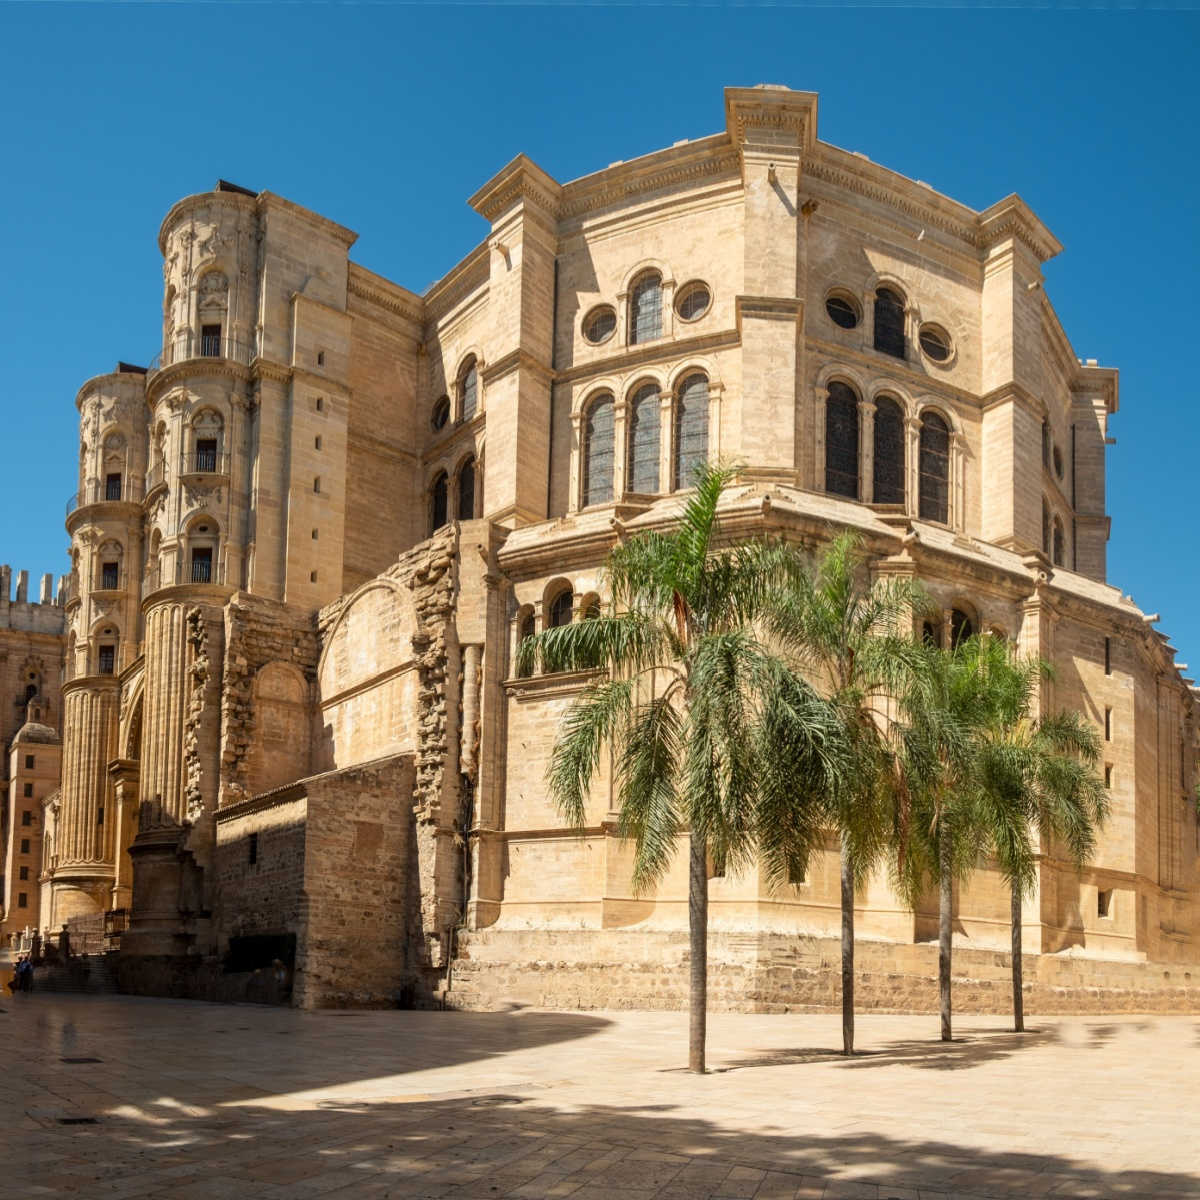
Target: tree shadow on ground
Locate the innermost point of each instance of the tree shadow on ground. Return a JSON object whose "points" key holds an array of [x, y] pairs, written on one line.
{"points": [[517, 1144], [970, 1048]]}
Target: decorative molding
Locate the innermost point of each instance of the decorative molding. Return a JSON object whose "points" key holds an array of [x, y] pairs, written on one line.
{"points": [[588, 196], [409, 310]]}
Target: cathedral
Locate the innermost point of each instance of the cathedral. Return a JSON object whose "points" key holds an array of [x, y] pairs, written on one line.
{"points": [[272, 721]]}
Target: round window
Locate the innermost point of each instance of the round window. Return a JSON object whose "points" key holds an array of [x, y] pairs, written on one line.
{"points": [[600, 323], [1058, 462], [935, 343], [842, 311], [694, 301], [441, 412]]}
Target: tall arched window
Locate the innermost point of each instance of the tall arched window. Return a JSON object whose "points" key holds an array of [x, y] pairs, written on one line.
{"points": [[468, 389], [1060, 542], [935, 469], [645, 309], [598, 452], [560, 609], [524, 632], [466, 490], [889, 322], [691, 428], [644, 434], [961, 627], [1045, 528], [841, 441], [439, 496], [889, 452]]}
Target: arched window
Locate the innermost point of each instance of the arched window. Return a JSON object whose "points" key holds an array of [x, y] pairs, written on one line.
{"points": [[560, 609], [1045, 443], [691, 428], [841, 441], [645, 309], [961, 627], [212, 304], [524, 632], [931, 634], [1045, 528], [468, 389], [466, 490], [598, 452], [889, 323], [1060, 541], [935, 469], [438, 502], [889, 452], [644, 429]]}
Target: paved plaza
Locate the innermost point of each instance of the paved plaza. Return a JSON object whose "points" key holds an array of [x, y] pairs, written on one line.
{"points": [[125, 1097]]}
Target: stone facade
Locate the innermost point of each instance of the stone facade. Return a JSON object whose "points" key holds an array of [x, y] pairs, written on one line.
{"points": [[310, 535]]}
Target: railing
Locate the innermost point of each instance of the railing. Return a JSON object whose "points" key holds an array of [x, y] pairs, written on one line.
{"points": [[204, 462], [99, 491], [195, 571], [187, 345], [70, 588], [156, 476], [110, 581]]}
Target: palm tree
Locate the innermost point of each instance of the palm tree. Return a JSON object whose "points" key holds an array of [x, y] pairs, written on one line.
{"points": [[853, 637], [1036, 773], [949, 704], [711, 731]]}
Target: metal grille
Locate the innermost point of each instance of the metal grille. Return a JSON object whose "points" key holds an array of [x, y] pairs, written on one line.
{"points": [[470, 392], [466, 491], [106, 660], [889, 452], [645, 423], [438, 503], [109, 574], [112, 487], [210, 341], [841, 312], [598, 453], [645, 310], [600, 324], [935, 469], [889, 323], [202, 566], [206, 454], [841, 441], [694, 302], [691, 428], [560, 609]]}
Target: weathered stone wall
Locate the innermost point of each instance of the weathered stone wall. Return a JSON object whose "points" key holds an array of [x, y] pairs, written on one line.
{"points": [[768, 973], [330, 859]]}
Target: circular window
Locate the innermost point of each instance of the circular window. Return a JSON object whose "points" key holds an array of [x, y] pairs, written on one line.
{"points": [[599, 324], [693, 302], [1058, 462], [842, 311], [935, 342], [441, 412]]}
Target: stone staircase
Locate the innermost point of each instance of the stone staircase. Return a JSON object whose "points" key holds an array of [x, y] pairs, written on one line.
{"points": [[89, 975]]}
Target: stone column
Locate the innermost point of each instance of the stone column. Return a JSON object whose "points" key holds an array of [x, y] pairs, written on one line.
{"points": [[866, 451]]}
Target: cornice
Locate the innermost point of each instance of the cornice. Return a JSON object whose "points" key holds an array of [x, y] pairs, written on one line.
{"points": [[650, 353], [774, 109], [556, 683], [92, 683], [266, 202], [265, 368], [375, 290], [181, 208], [207, 368], [625, 181], [95, 382], [520, 179], [883, 366], [468, 275], [515, 360], [1012, 217], [1012, 391]]}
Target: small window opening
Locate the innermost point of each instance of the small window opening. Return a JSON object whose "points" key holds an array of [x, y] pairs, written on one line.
{"points": [[107, 660], [253, 847], [29, 789], [24, 872], [320, 358], [1108, 724], [317, 442], [100, 815], [320, 404], [210, 341], [29, 761], [1108, 656], [315, 532], [202, 564], [27, 817], [1104, 899], [24, 845], [312, 577], [317, 484], [112, 486], [108, 576], [22, 900], [1108, 775], [206, 455]]}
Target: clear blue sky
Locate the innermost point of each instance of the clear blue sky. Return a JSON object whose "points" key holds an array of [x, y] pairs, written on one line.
{"points": [[385, 118]]}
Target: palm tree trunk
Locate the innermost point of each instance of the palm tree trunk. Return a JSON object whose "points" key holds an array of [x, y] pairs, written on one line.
{"points": [[847, 951], [1018, 996], [945, 928], [698, 945]]}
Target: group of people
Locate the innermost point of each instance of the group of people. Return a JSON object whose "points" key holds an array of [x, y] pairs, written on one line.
{"points": [[22, 978]]}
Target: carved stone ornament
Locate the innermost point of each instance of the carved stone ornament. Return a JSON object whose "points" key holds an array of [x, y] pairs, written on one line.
{"points": [[213, 290], [214, 242], [201, 492]]}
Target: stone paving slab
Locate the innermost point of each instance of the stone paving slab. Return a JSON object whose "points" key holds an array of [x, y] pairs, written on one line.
{"points": [[202, 1102]]}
